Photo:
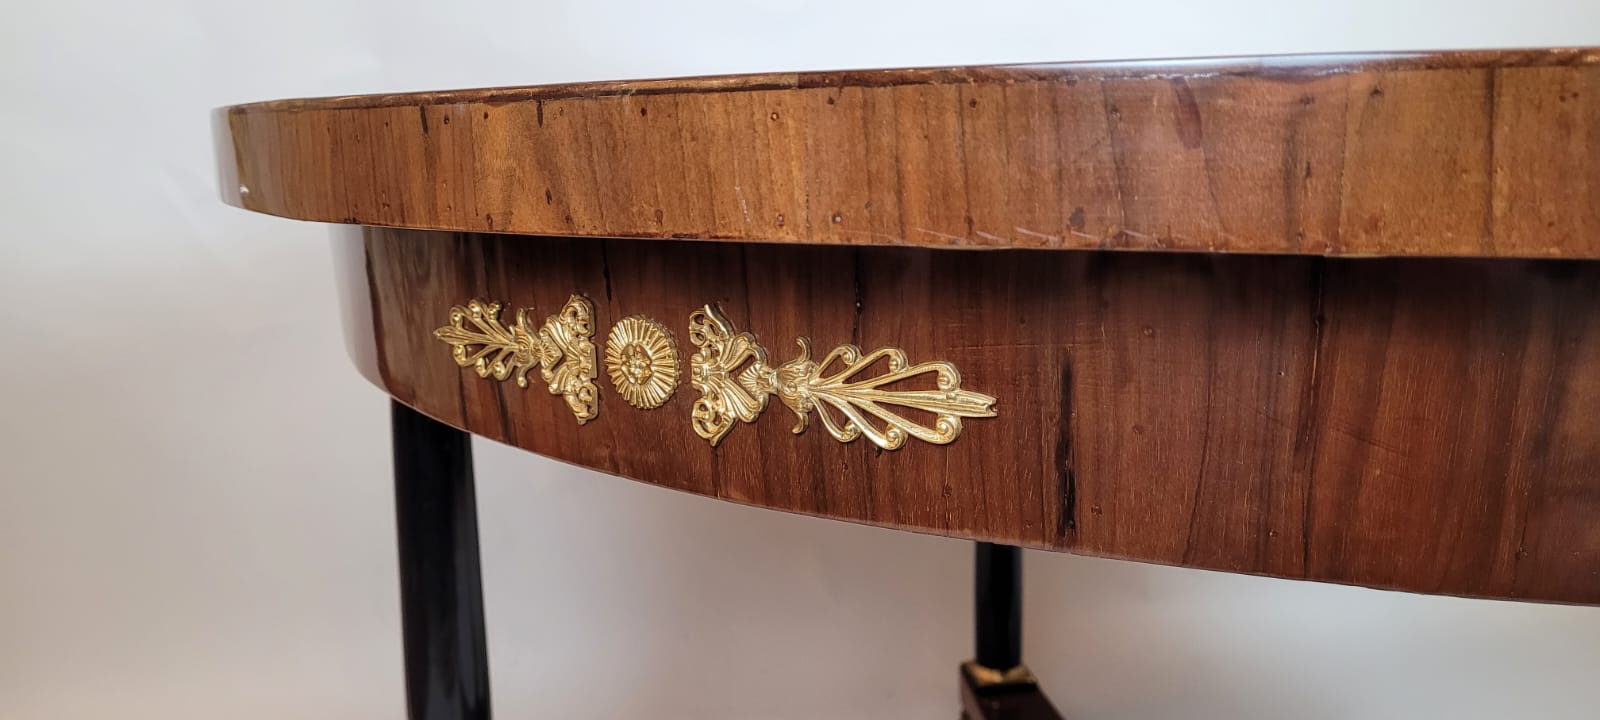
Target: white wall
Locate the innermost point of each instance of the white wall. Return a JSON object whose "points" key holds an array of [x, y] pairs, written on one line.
{"points": [[195, 519]]}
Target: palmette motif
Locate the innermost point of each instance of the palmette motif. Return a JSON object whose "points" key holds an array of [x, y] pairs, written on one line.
{"points": [[562, 348], [500, 351], [734, 379], [566, 359], [727, 394]]}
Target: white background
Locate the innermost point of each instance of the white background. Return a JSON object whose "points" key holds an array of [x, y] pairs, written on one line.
{"points": [[195, 518]]}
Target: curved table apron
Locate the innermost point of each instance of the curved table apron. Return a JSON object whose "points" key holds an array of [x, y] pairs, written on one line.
{"points": [[1426, 425], [1351, 332]]}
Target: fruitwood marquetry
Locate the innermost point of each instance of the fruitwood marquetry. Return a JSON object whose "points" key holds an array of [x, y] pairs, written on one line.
{"points": [[1433, 154], [1428, 425]]}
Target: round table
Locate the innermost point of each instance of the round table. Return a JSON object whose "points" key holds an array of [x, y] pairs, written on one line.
{"points": [[1328, 318]]}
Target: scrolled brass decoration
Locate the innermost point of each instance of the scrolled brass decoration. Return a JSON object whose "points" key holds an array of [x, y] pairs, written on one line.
{"points": [[500, 351], [727, 394], [733, 376], [562, 348], [807, 386], [642, 361]]}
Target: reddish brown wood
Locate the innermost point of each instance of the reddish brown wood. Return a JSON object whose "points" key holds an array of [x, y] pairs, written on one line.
{"points": [[1427, 425], [1412, 422], [1443, 154], [1416, 423]]}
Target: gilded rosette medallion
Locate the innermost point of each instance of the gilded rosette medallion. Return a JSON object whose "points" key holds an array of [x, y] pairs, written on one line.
{"points": [[642, 361]]}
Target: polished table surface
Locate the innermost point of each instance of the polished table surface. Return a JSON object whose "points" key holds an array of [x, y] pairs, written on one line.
{"points": [[1332, 318]]}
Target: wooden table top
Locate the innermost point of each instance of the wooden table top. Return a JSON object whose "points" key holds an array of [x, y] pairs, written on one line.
{"points": [[1425, 154], [1369, 354]]}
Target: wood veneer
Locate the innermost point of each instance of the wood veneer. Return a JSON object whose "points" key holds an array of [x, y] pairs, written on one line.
{"points": [[1372, 356], [1444, 154], [1427, 425]]}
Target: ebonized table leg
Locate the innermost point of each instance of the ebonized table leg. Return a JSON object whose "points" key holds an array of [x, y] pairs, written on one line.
{"points": [[995, 685], [441, 595], [441, 592]]}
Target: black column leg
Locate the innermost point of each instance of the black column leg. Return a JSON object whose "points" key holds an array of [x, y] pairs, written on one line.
{"points": [[995, 685], [998, 604], [441, 591]]}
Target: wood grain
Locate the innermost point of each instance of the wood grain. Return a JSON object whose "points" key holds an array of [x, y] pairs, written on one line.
{"points": [[1487, 154], [1426, 425], [1262, 402]]}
